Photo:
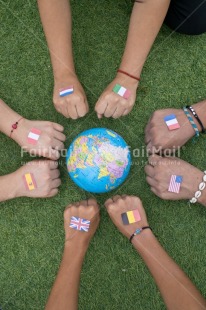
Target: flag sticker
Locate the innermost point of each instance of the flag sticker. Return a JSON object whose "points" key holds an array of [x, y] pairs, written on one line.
{"points": [[29, 181], [131, 217], [175, 183], [122, 91], [66, 91], [79, 224], [171, 122], [33, 136]]}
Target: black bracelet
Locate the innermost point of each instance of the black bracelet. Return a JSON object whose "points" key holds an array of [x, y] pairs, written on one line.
{"points": [[197, 117], [138, 231]]}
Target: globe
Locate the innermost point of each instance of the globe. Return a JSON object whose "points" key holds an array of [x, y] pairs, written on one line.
{"points": [[98, 160]]}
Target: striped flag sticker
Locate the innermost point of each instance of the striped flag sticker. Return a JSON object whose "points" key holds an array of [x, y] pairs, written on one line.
{"points": [[175, 183], [33, 136], [171, 122], [131, 217], [29, 181], [122, 91], [66, 91]]}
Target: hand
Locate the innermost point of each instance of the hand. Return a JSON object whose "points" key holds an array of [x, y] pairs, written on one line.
{"points": [[159, 172], [121, 204], [157, 134], [111, 104], [88, 210], [74, 105], [46, 179], [49, 143]]}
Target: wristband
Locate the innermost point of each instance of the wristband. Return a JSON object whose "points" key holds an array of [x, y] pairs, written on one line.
{"points": [[192, 110], [202, 186], [138, 231], [194, 126], [128, 74], [15, 126]]}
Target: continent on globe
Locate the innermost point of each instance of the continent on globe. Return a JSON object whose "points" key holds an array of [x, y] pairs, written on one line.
{"points": [[98, 160]]}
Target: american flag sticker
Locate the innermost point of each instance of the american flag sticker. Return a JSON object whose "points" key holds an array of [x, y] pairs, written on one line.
{"points": [[66, 91], [122, 91], [33, 136], [171, 122], [29, 181], [175, 183], [79, 224]]}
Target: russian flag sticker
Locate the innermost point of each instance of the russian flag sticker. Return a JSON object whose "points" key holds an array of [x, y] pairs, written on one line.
{"points": [[66, 91]]}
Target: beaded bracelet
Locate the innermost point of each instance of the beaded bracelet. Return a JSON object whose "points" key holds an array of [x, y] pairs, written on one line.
{"points": [[194, 126], [15, 126], [192, 110], [202, 186], [138, 231]]}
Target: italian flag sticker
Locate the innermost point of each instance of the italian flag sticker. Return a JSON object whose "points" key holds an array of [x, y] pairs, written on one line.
{"points": [[122, 91]]}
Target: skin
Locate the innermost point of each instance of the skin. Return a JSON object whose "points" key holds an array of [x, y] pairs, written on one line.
{"points": [[157, 135], [64, 294], [177, 290], [56, 20], [159, 171], [140, 39], [46, 175], [51, 138], [45, 172]]}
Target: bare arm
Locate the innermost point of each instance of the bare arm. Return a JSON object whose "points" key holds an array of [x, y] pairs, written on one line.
{"points": [[146, 21], [56, 20], [177, 290], [57, 24]]}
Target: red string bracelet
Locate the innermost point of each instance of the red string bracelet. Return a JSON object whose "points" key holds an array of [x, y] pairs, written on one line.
{"points": [[128, 74], [14, 126]]}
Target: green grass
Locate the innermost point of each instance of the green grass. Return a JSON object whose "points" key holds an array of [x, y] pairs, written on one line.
{"points": [[32, 236]]}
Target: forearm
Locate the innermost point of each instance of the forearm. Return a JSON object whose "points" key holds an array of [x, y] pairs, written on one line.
{"points": [[7, 118], [8, 187], [146, 20], [56, 20], [176, 288], [64, 294]]}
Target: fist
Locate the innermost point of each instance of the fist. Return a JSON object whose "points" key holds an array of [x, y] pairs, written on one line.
{"points": [[38, 179], [121, 204], [74, 105], [159, 172], [113, 105], [86, 209], [159, 137]]}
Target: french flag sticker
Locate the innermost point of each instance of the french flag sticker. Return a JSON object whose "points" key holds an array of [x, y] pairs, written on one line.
{"points": [[171, 122]]}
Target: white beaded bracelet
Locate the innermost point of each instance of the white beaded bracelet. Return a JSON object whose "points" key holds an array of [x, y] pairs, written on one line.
{"points": [[202, 186]]}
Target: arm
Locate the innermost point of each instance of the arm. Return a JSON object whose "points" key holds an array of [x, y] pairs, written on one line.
{"points": [[50, 140], [56, 20], [157, 135], [176, 288], [146, 21], [64, 294]]}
